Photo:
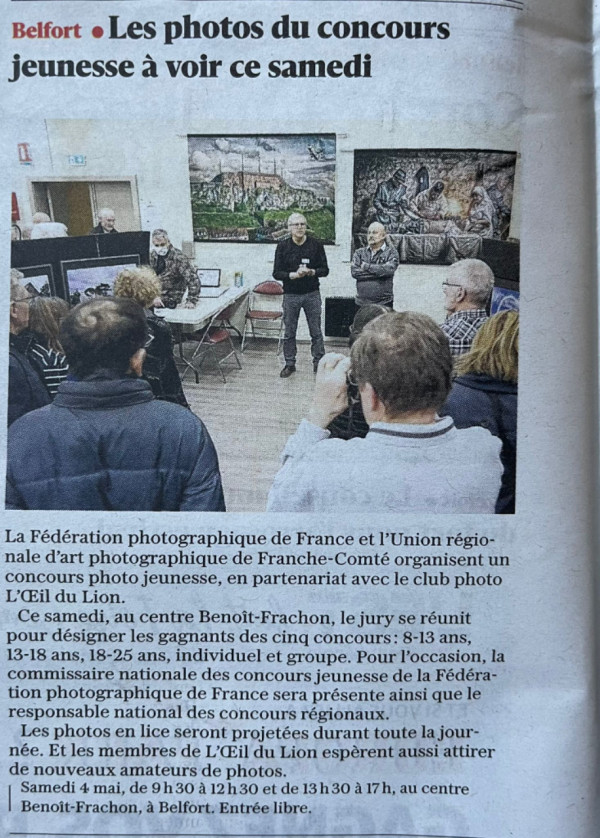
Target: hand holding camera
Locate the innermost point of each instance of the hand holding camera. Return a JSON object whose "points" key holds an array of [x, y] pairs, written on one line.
{"points": [[331, 389]]}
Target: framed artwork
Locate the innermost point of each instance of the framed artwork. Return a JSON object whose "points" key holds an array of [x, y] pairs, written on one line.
{"points": [[39, 280], [243, 188], [89, 278], [437, 205]]}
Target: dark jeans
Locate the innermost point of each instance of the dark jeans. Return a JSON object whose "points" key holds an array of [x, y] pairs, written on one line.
{"points": [[292, 306]]}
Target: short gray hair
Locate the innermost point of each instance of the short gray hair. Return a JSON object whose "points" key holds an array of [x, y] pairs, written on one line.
{"points": [[405, 357], [105, 211], [15, 282], [476, 278], [159, 233]]}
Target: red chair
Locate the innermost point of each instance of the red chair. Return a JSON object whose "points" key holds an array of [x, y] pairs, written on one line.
{"points": [[269, 292], [212, 336]]}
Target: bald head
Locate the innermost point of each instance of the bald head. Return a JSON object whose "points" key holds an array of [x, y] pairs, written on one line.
{"points": [[376, 235]]}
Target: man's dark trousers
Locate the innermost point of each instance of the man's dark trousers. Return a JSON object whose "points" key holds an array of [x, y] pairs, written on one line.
{"points": [[292, 306]]}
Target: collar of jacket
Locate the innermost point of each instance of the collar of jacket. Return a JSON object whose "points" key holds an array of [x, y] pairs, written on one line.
{"points": [[22, 342], [433, 431], [103, 393], [480, 381]]}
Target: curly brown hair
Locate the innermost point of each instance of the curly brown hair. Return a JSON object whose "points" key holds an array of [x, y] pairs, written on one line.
{"points": [[139, 284]]}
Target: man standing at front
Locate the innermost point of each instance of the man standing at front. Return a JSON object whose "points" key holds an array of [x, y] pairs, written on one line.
{"points": [[373, 268], [299, 262]]}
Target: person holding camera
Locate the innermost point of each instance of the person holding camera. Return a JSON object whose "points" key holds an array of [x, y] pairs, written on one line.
{"points": [[411, 459]]}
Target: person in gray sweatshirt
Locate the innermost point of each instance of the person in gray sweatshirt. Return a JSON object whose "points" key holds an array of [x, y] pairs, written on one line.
{"points": [[411, 459]]}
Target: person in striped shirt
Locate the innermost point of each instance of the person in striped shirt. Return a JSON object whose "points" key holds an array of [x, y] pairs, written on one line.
{"points": [[45, 315]]}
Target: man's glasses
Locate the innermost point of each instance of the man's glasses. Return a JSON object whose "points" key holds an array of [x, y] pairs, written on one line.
{"points": [[23, 299], [451, 285]]}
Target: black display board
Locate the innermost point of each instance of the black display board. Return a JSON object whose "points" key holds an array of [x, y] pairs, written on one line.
{"points": [[503, 258], [51, 257], [339, 316]]}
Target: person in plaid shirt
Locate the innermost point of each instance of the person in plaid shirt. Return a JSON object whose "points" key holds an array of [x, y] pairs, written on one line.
{"points": [[467, 290]]}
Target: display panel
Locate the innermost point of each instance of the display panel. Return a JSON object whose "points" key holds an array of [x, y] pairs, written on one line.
{"points": [[88, 278]]}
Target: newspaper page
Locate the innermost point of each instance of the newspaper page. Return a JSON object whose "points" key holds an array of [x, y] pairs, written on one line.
{"points": [[358, 645]]}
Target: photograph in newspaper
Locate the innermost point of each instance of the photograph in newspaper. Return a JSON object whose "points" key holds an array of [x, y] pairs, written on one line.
{"points": [[265, 269], [432, 241]]}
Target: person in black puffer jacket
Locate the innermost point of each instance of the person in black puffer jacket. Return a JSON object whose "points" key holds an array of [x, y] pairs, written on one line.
{"points": [[485, 393], [105, 442]]}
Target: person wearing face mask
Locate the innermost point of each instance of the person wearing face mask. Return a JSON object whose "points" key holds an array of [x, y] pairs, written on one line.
{"points": [[175, 271]]}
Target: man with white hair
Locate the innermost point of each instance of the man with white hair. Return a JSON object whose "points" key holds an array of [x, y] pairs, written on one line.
{"points": [[44, 228], [373, 268], [106, 222], [299, 262], [467, 290]]}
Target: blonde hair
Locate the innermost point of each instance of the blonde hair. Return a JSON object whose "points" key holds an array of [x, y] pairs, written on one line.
{"points": [[139, 284], [45, 315], [495, 350]]}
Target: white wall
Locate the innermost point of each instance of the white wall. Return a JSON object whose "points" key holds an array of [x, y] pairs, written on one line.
{"points": [[155, 153]]}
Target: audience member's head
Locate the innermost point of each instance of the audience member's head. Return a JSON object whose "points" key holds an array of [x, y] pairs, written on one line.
{"points": [[405, 359], [468, 285], [160, 241], [44, 228], [107, 333], [139, 284], [364, 315], [19, 303], [495, 350], [45, 316], [106, 219]]}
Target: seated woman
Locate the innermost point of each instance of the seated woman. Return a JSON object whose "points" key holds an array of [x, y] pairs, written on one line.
{"points": [[159, 370], [485, 393], [351, 423], [45, 315]]}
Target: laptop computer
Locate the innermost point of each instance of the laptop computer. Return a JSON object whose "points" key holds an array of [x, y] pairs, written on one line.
{"points": [[210, 282]]}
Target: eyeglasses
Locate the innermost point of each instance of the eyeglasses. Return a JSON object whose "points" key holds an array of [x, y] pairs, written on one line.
{"points": [[149, 340], [451, 285], [299, 224], [23, 299]]}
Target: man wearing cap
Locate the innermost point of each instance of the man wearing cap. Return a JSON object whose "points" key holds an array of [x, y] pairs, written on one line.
{"points": [[391, 205]]}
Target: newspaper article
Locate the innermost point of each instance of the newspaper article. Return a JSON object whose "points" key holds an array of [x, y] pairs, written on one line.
{"points": [[267, 568]]}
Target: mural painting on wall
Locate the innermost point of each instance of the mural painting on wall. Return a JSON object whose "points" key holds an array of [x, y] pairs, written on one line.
{"points": [[243, 188], [438, 194]]}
